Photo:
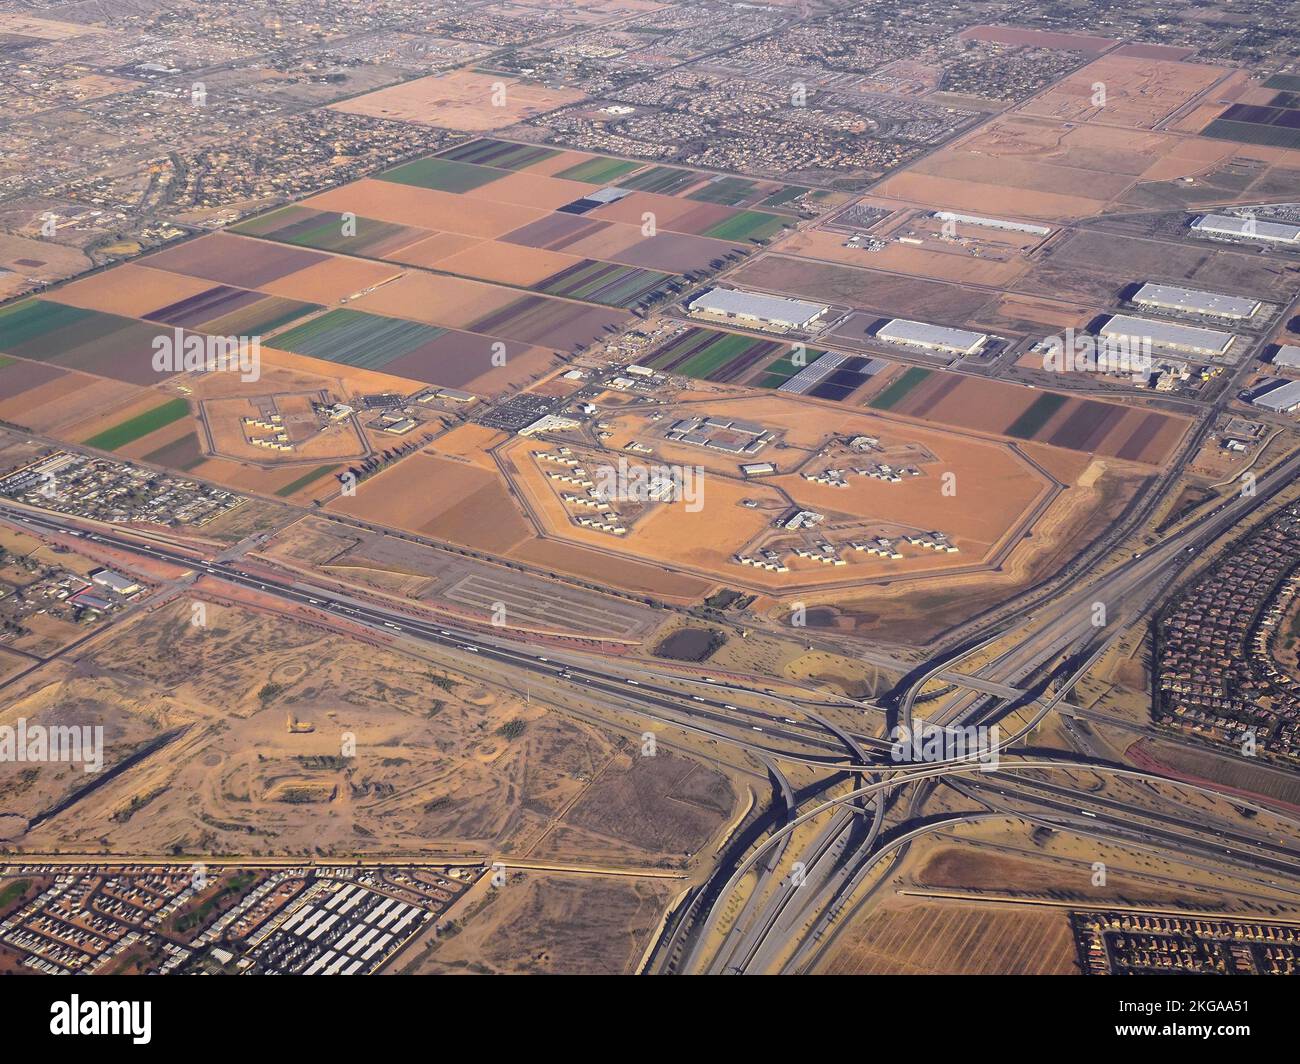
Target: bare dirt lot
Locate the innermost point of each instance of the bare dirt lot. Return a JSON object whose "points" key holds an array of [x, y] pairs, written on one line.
{"points": [[463, 99]]}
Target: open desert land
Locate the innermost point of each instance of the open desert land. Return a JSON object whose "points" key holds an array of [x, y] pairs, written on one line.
{"points": [[1092, 268], [41, 261], [1022, 166], [449, 582], [1027, 315], [887, 295], [551, 923], [910, 936], [436, 769], [463, 100], [970, 259], [1140, 92]]}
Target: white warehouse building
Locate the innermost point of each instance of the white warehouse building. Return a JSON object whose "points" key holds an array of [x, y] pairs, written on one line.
{"points": [[750, 307], [1167, 334], [1288, 356], [993, 223], [1193, 300], [1248, 228], [932, 337], [1283, 399]]}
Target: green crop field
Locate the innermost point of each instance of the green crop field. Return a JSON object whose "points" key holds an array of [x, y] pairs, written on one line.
{"points": [[141, 425], [728, 191], [598, 171], [780, 371], [1038, 414], [34, 319], [662, 179], [354, 338], [894, 394], [499, 153], [305, 479], [444, 175], [746, 225]]}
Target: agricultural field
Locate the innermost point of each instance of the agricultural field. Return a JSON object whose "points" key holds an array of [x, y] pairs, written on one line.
{"points": [[107, 345], [139, 426], [709, 354], [1087, 425]]}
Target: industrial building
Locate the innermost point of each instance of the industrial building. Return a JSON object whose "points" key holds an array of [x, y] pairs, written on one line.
{"points": [[759, 311], [932, 337], [1283, 399], [1194, 301], [123, 585], [1167, 334], [1249, 228], [993, 223], [1288, 356]]}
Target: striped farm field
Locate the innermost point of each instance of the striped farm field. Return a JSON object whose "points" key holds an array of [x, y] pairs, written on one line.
{"points": [[1090, 426], [1038, 415], [662, 179], [107, 345], [305, 479], [777, 373], [444, 175], [327, 231], [139, 426], [499, 153], [894, 393], [729, 191], [605, 282], [746, 225], [707, 354], [25, 322], [598, 171], [355, 338]]}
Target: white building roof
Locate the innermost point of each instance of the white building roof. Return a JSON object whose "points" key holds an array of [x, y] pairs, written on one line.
{"points": [[992, 223], [1287, 355], [1164, 333], [1193, 299], [754, 305], [1253, 228], [903, 331], [1282, 399]]}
